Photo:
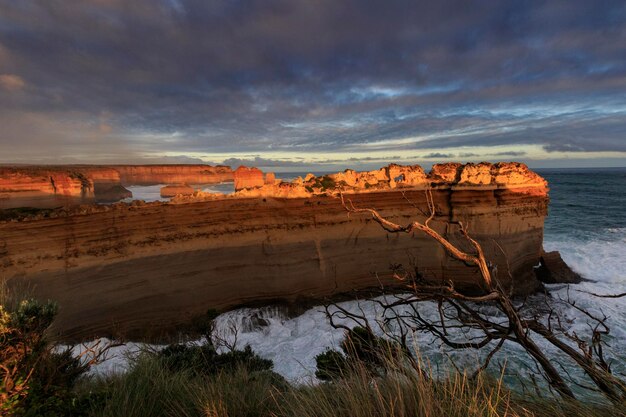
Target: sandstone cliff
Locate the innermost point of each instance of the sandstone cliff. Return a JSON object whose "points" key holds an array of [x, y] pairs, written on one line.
{"points": [[136, 268], [55, 186], [173, 174], [176, 189], [43, 187], [248, 178]]}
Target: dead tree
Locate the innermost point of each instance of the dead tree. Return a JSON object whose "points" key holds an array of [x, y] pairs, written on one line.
{"points": [[460, 311]]}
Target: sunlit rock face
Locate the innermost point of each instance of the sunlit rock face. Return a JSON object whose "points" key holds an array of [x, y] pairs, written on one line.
{"points": [[246, 178], [173, 190], [45, 188], [137, 268], [173, 174], [56, 186]]}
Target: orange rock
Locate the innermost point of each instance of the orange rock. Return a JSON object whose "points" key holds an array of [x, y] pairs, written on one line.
{"points": [[447, 173], [406, 176], [173, 190], [43, 187], [270, 178], [248, 178], [173, 174]]}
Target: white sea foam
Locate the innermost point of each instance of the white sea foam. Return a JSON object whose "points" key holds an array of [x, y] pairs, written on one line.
{"points": [[602, 258], [147, 193]]}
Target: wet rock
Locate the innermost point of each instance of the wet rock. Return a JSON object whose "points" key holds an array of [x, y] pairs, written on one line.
{"points": [[554, 270]]}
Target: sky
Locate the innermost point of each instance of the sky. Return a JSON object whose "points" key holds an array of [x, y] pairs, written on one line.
{"points": [[293, 85]]}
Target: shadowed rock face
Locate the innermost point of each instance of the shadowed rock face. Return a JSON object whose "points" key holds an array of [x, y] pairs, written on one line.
{"points": [[139, 269]]}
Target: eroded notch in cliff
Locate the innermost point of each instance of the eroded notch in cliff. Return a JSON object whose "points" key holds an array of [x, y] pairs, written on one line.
{"points": [[54, 187]]}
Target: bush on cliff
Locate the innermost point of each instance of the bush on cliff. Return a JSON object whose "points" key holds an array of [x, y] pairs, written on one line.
{"points": [[360, 347], [204, 359], [36, 379]]}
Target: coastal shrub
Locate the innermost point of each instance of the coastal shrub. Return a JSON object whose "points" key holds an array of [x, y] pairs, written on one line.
{"points": [[204, 325], [360, 346], [327, 183], [204, 359], [330, 365], [36, 379], [323, 183]]}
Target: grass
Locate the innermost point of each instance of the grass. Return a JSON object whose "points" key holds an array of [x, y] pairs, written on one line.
{"points": [[150, 389], [390, 386]]}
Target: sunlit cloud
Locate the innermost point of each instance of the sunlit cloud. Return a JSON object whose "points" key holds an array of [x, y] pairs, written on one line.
{"points": [[543, 82]]}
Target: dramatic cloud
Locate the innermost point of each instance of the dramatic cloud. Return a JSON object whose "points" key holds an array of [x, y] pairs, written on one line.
{"points": [[219, 80]]}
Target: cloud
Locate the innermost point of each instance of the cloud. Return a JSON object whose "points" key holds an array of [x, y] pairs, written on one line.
{"points": [[263, 162], [287, 76], [11, 82], [439, 155], [509, 153]]}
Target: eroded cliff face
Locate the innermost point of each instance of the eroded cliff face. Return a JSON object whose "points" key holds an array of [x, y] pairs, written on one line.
{"points": [[43, 187], [393, 177], [173, 174], [56, 186], [141, 269], [248, 178]]}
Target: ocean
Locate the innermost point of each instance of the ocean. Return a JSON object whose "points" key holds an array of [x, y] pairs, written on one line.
{"points": [[586, 224]]}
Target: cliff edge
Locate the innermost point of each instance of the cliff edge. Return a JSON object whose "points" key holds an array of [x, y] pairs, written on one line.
{"points": [[139, 268]]}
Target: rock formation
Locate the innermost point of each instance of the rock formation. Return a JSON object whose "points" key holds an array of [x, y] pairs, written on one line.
{"points": [[173, 174], [56, 186], [173, 190], [248, 178], [143, 268], [43, 187], [107, 184], [554, 270]]}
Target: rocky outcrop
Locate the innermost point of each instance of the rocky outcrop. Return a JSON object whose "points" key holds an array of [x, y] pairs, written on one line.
{"points": [[173, 174], [248, 178], [270, 178], [173, 190], [56, 186], [507, 175], [107, 184], [553, 270], [144, 268], [43, 187]]}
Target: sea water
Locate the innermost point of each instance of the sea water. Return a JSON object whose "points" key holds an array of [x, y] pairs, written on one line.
{"points": [[586, 223], [150, 193]]}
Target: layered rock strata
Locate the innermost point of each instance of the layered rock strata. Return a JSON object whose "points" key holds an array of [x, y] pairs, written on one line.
{"points": [[173, 174], [56, 186], [248, 178], [142, 269], [173, 190], [43, 187]]}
